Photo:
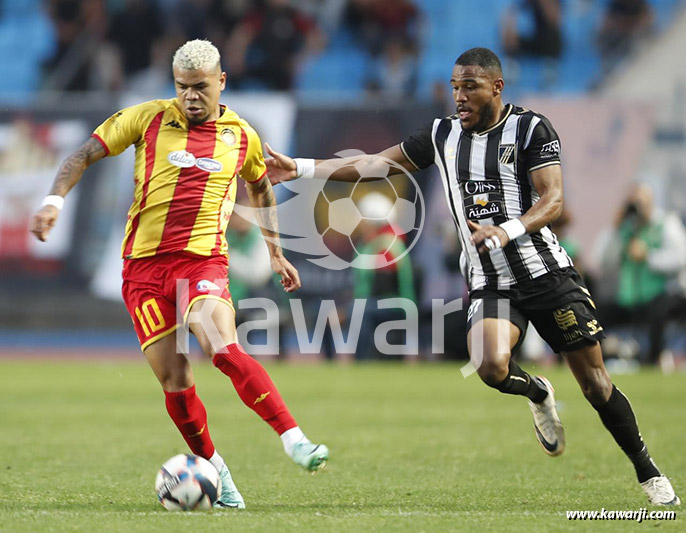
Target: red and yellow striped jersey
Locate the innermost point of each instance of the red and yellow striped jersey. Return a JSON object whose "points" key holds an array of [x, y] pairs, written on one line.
{"points": [[184, 175]]}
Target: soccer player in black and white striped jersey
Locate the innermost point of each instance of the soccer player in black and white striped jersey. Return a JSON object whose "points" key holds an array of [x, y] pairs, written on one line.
{"points": [[501, 172]]}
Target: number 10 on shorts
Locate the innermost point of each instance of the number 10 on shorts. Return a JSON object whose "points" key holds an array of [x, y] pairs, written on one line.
{"points": [[150, 317]]}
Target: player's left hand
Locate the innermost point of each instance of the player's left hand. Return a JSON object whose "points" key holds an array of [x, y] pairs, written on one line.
{"points": [[290, 279], [481, 235], [280, 167]]}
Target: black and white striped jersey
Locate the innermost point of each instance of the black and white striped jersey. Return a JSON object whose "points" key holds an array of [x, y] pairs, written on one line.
{"points": [[486, 177]]}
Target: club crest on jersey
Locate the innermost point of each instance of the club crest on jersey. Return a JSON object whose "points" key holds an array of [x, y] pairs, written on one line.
{"points": [[181, 158], [506, 154], [228, 136], [206, 286]]}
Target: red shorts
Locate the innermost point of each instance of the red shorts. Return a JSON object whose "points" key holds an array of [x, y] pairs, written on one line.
{"points": [[159, 291]]}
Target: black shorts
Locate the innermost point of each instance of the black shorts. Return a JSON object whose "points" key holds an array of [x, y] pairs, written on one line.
{"points": [[558, 304]]}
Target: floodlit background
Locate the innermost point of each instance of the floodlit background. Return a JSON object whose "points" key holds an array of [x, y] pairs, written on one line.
{"points": [[318, 76]]}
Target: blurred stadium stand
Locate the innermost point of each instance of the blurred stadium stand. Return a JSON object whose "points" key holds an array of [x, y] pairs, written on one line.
{"points": [[327, 83], [343, 67]]}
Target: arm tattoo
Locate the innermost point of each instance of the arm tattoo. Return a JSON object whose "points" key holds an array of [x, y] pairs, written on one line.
{"points": [[73, 167], [262, 196]]}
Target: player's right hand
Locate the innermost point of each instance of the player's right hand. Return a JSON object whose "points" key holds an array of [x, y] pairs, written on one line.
{"points": [[280, 167], [43, 221]]}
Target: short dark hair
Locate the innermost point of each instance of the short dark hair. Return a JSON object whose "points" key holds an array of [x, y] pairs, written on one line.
{"points": [[480, 57]]}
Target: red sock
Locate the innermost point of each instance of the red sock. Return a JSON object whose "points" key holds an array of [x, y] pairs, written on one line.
{"points": [[188, 413], [255, 387]]}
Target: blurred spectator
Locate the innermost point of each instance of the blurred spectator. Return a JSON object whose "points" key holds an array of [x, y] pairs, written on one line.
{"points": [[570, 245], [80, 27], [250, 268], [545, 40], [268, 44], [208, 19], [388, 31], [376, 22], [395, 72], [378, 240], [560, 228], [648, 251], [327, 12], [625, 24], [133, 31]]}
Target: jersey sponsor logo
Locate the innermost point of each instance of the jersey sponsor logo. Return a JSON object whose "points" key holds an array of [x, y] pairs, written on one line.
{"points": [[479, 211], [174, 124], [565, 318], [472, 187], [506, 154], [206, 286], [572, 336], [228, 137], [208, 165], [181, 158], [550, 149], [184, 159]]}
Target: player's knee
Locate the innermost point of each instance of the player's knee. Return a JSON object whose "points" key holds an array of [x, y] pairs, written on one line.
{"points": [[172, 383], [493, 371]]}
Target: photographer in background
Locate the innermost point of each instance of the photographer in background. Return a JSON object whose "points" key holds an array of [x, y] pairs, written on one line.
{"points": [[647, 252]]}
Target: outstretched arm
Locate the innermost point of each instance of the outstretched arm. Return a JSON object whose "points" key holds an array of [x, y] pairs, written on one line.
{"points": [[284, 168], [68, 175], [262, 197]]}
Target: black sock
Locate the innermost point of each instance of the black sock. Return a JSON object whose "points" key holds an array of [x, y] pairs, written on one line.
{"points": [[521, 383], [620, 421]]}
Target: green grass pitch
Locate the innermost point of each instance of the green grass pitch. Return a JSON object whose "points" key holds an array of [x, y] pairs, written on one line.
{"points": [[413, 448]]}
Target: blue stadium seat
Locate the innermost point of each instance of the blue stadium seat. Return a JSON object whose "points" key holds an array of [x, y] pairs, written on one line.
{"points": [[31, 30]]}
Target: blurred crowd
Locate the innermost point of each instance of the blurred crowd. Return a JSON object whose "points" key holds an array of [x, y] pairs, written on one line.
{"points": [[623, 27], [115, 44], [109, 45]]}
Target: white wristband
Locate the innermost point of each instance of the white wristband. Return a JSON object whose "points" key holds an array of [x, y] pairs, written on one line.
{"points": [[53, 200], [514, 228], [304, 168]]}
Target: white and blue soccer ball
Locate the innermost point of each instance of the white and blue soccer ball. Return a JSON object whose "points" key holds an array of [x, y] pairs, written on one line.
{"points": [[187, 483]]}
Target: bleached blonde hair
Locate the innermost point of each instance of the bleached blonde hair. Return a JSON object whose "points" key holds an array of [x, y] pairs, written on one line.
{"points": [[197, 54]]}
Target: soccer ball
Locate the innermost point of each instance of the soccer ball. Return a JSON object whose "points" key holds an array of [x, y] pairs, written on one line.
{"points": [[187, 483], [346, 216]]}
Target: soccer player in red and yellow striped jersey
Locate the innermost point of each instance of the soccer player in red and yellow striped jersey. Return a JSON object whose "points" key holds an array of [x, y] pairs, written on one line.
{"points": [[186, 207], [190, 152]]}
